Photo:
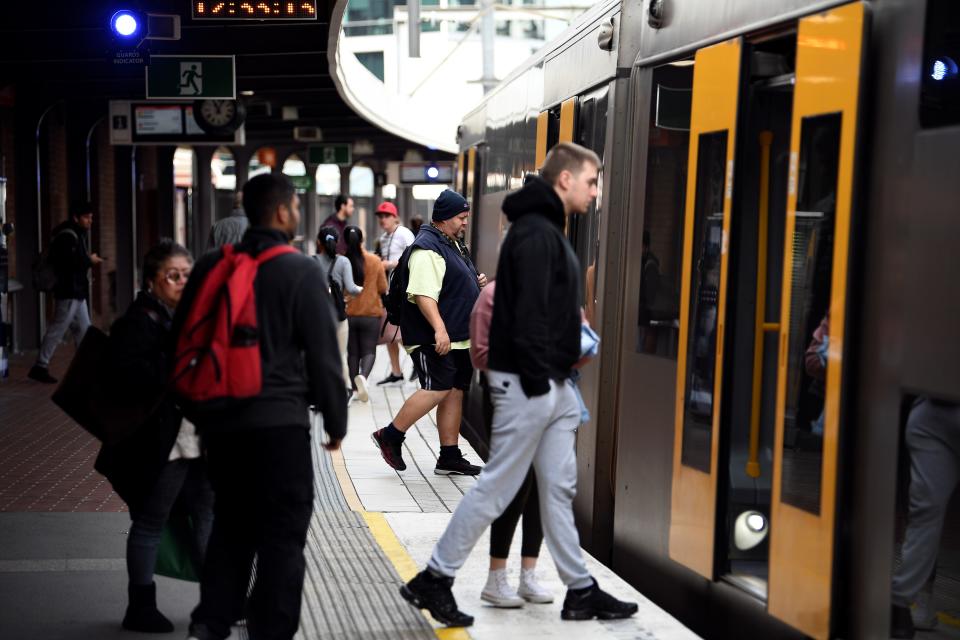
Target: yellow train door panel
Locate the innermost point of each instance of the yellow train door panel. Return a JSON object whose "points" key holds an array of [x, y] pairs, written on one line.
{"points": [[813, 314], [716, 85]]}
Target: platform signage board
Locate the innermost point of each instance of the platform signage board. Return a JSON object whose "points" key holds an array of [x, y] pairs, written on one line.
{"points": [[147, 123], [191, 77], [330, 154]]}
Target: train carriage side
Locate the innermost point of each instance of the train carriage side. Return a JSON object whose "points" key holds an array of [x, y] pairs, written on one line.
{"points": [[789, 285]]}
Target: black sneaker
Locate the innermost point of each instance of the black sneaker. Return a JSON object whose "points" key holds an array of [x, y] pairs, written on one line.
{"points": [[390, 379], [901, 622], [593, 602], [455, 467], [392, 453], [430, 592], [41, 374]]}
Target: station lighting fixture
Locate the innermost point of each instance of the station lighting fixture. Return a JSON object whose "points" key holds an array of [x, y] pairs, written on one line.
{"points": [[943, 68], [433, 172], [749, 530], [126, 24]]}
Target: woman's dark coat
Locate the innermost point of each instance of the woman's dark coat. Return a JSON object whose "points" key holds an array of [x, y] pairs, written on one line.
{"points": [[139, 352]]}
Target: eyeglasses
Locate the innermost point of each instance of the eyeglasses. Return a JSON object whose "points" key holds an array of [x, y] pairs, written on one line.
{"points": [[175, 277]]}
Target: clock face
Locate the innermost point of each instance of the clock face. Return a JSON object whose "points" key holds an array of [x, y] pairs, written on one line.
{"points": [[218, 113]]}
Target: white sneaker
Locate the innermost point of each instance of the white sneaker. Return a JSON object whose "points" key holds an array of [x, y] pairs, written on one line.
{"points": [[361, 382], [498, 592], [531, 590], [924, 613]]}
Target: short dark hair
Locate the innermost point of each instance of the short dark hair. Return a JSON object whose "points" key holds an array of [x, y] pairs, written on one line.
{"points": [[567, 156], [160, 253], [81, 208], [340, 202], [263, 194]]}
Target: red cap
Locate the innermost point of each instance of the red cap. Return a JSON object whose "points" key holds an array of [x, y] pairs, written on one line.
{"points": [[388, 208]]}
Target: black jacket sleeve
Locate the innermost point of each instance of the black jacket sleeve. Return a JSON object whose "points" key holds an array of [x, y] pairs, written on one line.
{"points": [[314, 319], [68, 252], [138, 357], [533, 262]]}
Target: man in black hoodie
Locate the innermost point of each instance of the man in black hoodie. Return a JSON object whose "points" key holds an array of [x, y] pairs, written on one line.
{"points": [[534, 343], [258, 450]]}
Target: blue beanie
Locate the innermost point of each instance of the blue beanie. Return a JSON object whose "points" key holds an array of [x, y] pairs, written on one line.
{"points": [[449, 204]]}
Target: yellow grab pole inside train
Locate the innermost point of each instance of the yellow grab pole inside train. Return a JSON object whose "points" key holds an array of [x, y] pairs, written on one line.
{"points": [[753, 460]]}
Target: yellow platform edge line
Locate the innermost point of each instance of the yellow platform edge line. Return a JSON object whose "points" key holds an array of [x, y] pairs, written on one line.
{"points": [[404, 564], [345, 481]]}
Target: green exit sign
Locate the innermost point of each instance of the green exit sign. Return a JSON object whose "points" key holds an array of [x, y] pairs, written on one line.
{"points": [[330, 154], [191, 77], [301, 183]]}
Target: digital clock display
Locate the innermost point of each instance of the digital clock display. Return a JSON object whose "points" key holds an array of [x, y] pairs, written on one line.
{"points": [[255, 10]]}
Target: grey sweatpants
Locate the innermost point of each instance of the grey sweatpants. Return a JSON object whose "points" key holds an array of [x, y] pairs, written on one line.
{"points": [[540, 430], [933, 438], [67, 314]]}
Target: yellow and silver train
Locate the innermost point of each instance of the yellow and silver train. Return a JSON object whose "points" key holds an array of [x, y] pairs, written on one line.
{"points": [[780, 182]]}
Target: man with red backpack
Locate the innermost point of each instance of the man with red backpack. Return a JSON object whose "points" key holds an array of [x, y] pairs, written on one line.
{"points": [[256, 347]]}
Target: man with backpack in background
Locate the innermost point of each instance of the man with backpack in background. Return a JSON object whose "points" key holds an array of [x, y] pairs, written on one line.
{"points": [[63, 270], [258, 444], [535, 341], [393, 242], [438, 285]]}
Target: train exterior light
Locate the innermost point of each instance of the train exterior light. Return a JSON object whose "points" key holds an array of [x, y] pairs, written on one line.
{"points": [[125, 24], [943, 68], [749, 530], [433, 173]]}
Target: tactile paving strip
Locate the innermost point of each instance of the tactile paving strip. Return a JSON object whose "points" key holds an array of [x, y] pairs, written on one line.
{"points": [[351, 588]]}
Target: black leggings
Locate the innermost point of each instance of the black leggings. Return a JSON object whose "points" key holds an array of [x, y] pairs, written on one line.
{"points": [[527, 503], [362, 345]]}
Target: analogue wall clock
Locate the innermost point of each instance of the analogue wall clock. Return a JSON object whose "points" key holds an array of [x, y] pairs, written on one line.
{"points": [[219, 117]]}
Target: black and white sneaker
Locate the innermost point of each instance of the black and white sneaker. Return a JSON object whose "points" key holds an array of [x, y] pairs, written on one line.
{"points": [[455, 467], [433, 593], [390, 379], [593, 602]]}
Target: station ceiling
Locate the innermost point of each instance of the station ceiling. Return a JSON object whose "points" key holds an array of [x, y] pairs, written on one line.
{"points": [[63, 49]]}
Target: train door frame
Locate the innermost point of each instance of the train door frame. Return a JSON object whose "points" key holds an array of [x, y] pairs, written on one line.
{"points": [[829, 77]]}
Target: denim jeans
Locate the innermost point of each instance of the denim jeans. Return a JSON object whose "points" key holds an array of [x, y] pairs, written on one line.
{"points": [[67, 314], [186, 478]]}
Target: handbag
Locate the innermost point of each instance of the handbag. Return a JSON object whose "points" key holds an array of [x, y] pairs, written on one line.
{"points": [[85, 395], [174, 555]]}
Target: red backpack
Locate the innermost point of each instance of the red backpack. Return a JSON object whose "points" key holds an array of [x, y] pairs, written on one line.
{"points": [[218, 349]]}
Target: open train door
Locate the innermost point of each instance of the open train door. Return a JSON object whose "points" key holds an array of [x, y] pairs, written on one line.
{"points": [[713, 124], [809, 423]]}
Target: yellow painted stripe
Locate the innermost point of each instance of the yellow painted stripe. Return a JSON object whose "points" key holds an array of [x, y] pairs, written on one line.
{"points": [[568, 111], [404, 565], [346, 483]]}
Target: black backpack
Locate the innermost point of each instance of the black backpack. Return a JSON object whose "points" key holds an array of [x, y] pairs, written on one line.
{"points": [[336, 292], [44, 272], [397, 293]]}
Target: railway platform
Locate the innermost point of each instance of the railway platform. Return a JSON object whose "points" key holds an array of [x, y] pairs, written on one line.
{"points": [[62, 537]]}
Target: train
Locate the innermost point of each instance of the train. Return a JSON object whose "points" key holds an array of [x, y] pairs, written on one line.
{"points": [[779, 186]]}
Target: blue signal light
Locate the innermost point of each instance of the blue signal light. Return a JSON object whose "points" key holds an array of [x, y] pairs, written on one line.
{"points": [[125, 24], [943, 68], [433, 173]]}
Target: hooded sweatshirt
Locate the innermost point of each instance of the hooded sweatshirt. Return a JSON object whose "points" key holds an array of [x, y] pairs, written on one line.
{"points": [[535, 329]]}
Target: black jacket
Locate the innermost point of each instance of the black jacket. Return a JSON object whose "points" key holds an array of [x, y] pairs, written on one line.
{"points": [[535, 329], [70, 257], [300, 361], [139, 357]]}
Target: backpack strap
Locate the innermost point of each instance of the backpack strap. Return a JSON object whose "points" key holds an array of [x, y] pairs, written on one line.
{"points": [[273, 252]]}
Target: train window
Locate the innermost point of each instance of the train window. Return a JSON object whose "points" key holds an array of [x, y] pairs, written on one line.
{"points": [[940, 76], [704, 298], [585, 230], [809, 319], [658, 317]]}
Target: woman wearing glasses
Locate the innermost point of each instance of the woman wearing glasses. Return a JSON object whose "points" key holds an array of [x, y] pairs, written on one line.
{"points": [[160, 464]]}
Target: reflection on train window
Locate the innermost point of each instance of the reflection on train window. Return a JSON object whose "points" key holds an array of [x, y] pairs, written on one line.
{"points": [[704, 297], [809, 320], [658, 317], [584, 230]]}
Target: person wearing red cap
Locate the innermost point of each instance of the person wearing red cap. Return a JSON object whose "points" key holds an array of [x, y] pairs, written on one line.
{"points": [[393, 241]]}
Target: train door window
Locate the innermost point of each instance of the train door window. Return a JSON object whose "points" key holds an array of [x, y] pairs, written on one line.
{"points": [[584, 230], [658, 315]]}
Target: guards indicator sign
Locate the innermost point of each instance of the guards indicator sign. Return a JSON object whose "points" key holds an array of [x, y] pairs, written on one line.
{"points": [[255, 10]]}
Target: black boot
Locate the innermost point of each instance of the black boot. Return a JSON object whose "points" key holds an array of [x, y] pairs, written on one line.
{"points": [[901, 622], [142, 613], [432, 592], [592, 602]]}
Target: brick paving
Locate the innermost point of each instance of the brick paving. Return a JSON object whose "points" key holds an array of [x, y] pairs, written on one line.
{"points": [[46, 460]]}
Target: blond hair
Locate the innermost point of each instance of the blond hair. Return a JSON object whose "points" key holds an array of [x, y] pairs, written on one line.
{"points": [[567, 156]]}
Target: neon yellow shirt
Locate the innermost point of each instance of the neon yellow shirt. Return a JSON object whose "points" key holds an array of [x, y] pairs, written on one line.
{"points": [[427, 269]]}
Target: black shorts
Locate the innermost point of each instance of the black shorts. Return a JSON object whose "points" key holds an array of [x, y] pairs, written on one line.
{"points": [[442, 373]]}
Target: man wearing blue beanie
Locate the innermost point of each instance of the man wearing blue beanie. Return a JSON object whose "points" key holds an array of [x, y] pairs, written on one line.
{"points": [[442, 286]]}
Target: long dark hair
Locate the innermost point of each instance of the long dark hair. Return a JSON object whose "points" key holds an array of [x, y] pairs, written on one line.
{"points": [[354, 239], [328, 237]]}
